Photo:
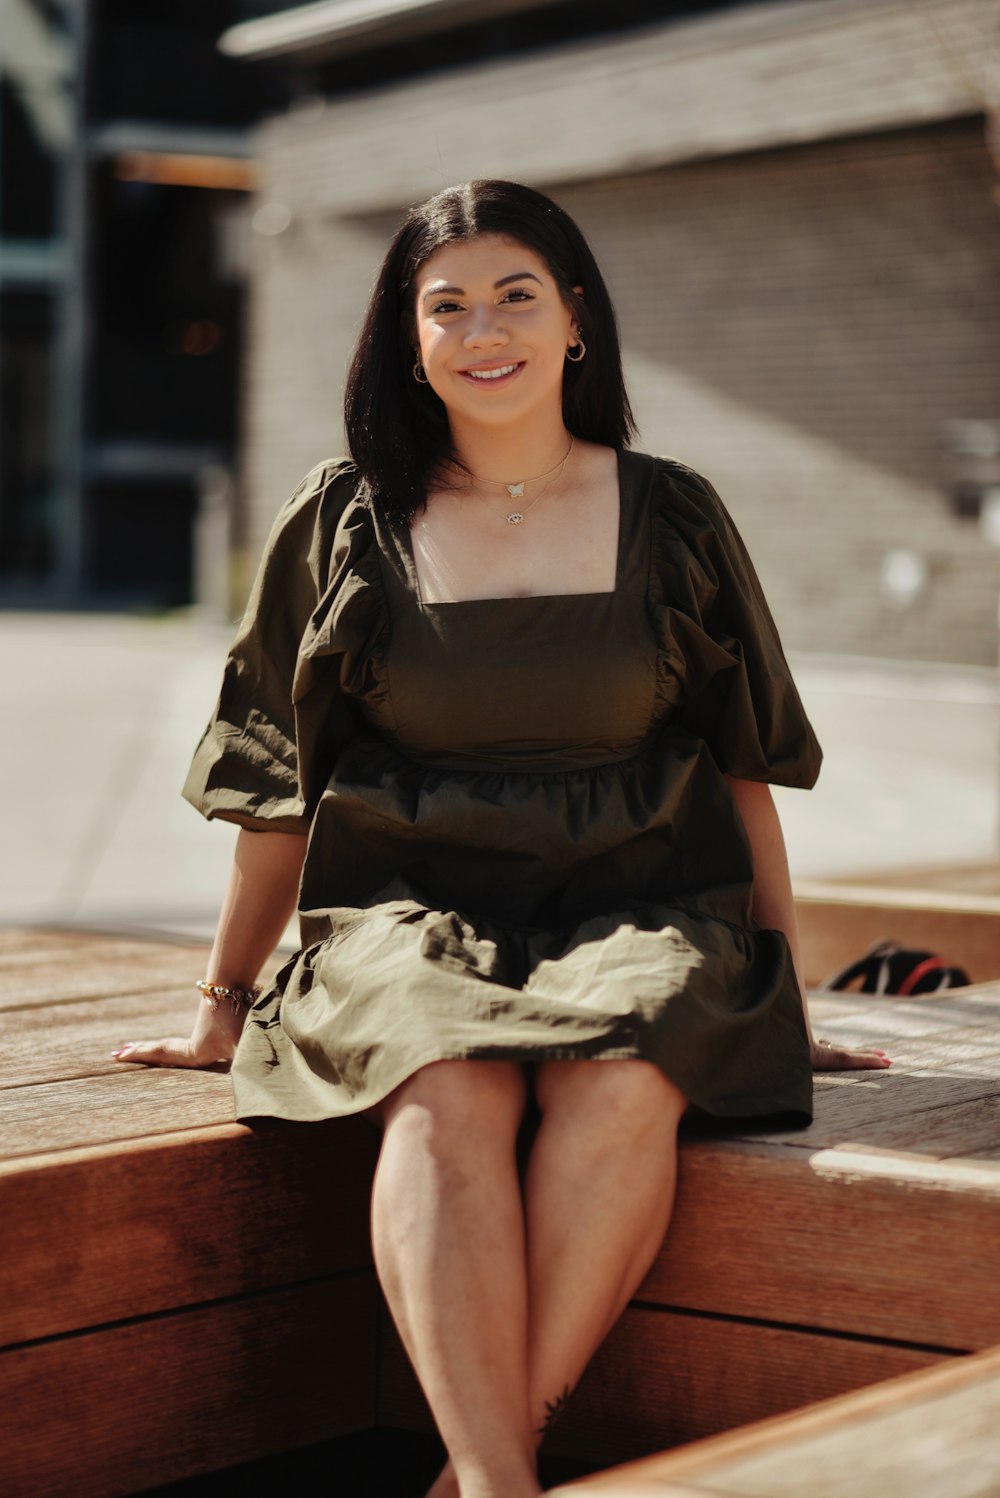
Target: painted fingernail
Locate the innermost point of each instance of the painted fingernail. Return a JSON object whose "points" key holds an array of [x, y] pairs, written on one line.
{"points": [[128, 1046]]}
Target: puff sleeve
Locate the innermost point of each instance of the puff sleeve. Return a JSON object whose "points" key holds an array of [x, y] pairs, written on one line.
{"points": [[247, 767], [739, 695]]}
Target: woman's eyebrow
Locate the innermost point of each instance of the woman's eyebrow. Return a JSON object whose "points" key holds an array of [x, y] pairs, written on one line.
{"points": [[520, 275]]}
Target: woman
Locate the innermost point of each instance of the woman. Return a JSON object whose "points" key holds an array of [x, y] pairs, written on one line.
{"points": [[505, 703]]}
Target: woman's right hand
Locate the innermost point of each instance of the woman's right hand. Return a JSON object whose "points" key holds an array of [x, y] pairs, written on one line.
{"points": [[260, 898], [212, 1042]]}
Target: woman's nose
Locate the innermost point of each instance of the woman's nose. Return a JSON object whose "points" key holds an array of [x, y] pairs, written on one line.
{"points": [[485, 327]]}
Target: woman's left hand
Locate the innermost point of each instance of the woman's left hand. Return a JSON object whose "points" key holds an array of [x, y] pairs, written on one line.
{"points": [[826, 1055]]}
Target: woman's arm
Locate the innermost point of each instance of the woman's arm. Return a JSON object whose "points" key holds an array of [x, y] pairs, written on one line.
{"points": [[260, 898], [774, 907]]}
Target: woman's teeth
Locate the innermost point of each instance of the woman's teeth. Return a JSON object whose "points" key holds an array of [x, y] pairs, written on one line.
{"points": [[491, 374]]}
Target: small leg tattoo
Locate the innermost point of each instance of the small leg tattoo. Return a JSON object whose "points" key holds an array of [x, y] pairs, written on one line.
{"points": [[553, 1410]]}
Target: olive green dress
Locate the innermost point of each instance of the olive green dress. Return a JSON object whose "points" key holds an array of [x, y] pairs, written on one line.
{"points": [[521, 842]]}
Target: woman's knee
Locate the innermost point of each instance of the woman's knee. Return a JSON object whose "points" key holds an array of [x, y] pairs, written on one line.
{"points": [[605, 1091], [460, 1098]]}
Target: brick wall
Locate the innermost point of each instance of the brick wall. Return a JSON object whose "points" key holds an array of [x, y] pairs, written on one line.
{"points": [[798, 325]]}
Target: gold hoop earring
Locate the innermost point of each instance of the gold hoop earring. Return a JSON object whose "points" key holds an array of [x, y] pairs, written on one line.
{"points": [[580, 348], [418, 374]]}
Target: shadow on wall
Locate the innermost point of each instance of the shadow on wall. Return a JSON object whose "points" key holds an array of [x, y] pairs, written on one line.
{"points": [[851, 289]]}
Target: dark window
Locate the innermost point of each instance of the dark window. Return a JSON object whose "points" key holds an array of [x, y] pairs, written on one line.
{"points": [[159, 60], [166, 317], [26, 480]]}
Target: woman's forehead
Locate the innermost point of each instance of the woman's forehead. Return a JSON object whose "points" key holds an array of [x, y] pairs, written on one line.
{"points": [[488, 257]]}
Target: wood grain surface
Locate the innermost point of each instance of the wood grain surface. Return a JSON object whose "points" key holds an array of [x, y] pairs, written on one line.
{"points": [[931, 1434], [169, 1221], [840, 1240], [153, 1400]]}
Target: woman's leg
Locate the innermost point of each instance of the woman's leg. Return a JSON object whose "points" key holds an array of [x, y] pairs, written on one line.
{"points": [[598, 1191], [448, 1236]]}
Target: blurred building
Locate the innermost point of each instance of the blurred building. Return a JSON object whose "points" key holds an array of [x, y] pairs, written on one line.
{"points": [[796, 205], [795, 202], [125, 176]]}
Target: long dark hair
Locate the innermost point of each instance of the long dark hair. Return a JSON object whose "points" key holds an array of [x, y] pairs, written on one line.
{"points": [[397, 429]]}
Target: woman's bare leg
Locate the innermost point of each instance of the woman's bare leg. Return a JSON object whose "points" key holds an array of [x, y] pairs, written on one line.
{"points": [[599, 1190], [448, 1236]]}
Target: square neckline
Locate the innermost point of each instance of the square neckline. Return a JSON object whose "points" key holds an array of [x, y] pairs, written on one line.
{"points": [[410, 562]]}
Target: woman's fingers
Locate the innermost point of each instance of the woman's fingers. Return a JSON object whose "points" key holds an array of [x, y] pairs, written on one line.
{"points": [[829, 1057], [174, 1051]]}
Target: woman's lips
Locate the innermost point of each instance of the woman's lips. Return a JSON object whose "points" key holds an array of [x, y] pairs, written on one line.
{"points": [[492, 378]]}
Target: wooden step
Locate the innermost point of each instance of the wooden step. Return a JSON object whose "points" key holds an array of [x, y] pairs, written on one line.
{"points": [[838, 922], [152, 1399], [931, 1434], [182, 1292]]}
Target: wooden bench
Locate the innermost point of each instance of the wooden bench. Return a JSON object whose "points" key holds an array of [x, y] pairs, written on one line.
{"points": [[185, 1293], [934, 1434]]}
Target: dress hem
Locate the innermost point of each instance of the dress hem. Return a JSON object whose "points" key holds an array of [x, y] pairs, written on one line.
{"points": [[703, 1106]]}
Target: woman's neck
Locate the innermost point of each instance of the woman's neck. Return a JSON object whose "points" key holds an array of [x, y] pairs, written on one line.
{"points": [[511, 456]]}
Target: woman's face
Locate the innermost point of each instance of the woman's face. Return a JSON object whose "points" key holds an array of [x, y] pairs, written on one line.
{"points": [[492, 330]]}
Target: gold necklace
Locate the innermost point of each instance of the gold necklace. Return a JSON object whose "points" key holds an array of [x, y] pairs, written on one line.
{"points": [[516, 517]]}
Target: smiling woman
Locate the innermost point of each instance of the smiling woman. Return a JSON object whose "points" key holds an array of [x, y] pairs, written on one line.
{"points": [[483, 273], [493, 332], [506, 701]]}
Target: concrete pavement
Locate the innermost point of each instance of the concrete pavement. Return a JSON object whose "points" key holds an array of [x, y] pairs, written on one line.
{"points": [[102, 714]]}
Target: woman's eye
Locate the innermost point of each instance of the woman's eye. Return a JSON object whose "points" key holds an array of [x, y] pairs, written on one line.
{"points": [[446, 307], [519, 294]]}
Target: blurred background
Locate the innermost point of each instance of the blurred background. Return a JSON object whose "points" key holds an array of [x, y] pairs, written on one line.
{"points": [[797, 206]]}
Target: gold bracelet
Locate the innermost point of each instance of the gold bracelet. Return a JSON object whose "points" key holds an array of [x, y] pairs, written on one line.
{"points": [[240, 998]]}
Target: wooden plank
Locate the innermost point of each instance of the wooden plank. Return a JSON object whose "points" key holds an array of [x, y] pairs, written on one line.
{"points": [[840, 1240], [127, 1407], [942, 1448], [58, 1042], [967, 1052], [838, 922], [662, 1378], [955, 1130], [972, 1005], [181, 1219], [105, 965], [935, 1433], [868, 1016], [134, 1103], [946, 1051], [17, 941], [879, 1108]]}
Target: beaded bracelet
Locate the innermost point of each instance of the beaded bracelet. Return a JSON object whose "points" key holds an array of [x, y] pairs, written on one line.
{"points": [[240, 998]]}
